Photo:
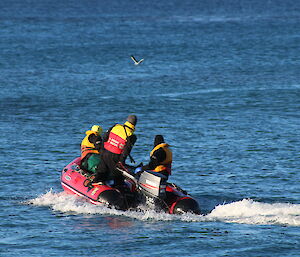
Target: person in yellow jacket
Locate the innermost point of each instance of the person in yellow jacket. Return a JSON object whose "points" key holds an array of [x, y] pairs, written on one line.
{"points": [[118, 142], [160, 158], [91, 147]]}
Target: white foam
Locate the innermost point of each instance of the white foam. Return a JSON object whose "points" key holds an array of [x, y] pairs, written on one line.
{"points": [[218, 90], [245, 211], [209, 19], [65, 203], [251, 212]]}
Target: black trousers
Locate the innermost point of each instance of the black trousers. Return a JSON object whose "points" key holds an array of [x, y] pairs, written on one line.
{"points": [[106, 170]]}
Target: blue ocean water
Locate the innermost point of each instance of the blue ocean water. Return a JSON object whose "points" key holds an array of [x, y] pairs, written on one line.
{"points": [[221, 82]]}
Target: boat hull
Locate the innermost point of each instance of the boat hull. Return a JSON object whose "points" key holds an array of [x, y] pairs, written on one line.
{"points": [[76, 181]]}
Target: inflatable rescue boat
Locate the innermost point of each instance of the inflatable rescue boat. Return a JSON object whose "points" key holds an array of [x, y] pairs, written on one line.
{"points": [[150, 189]]}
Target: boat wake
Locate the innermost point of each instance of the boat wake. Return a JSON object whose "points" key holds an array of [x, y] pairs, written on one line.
{"points": [[245, 211], [251, 212]]}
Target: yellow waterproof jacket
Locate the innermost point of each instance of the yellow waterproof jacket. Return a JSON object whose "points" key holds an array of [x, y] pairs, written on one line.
{"points": [[118, 137], [87, 146], [166, 164]]}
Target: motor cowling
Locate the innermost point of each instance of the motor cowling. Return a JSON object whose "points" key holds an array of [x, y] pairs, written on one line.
{"points": [[153, 184]]}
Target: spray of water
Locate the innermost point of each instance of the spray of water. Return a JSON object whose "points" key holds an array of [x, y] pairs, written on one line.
{"points": [[245, 211]]}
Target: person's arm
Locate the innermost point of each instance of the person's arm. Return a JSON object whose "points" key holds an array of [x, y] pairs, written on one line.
{"points": [[128, 147], [96, 140], [106, 134], [158, 156]]}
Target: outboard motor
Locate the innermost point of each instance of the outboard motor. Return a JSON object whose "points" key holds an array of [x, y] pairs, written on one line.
{"points": [[153, 184]]}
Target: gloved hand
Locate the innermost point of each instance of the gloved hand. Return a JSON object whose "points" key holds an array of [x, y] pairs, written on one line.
{"points": [[138, 169]]}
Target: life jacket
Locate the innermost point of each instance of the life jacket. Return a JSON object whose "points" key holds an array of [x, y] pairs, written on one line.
{"points": [[118, 137], [86, 146], [166, 164]]}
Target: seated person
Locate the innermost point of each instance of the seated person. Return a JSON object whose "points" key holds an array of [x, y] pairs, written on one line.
{"points": [[160, 158], [91, 146]]}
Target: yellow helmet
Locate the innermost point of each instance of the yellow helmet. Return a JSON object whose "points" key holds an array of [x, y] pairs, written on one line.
{"points": [[97, 128]]}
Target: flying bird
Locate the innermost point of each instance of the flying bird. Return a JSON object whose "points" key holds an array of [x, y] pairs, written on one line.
{"points": [[136, 62]]}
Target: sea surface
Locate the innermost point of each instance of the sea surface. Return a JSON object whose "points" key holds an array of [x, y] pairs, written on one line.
{"points": [[220, 80]]}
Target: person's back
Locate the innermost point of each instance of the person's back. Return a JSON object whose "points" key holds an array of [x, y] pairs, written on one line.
{"points": [[91, 147], [160, 158], [118, 143]]}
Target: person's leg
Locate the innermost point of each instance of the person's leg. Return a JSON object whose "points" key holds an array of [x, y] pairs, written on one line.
{"points": [[84, 162], [115, 173], [102, 170], [93, 162]]}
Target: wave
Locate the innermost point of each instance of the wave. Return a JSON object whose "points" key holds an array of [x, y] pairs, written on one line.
{"points": [[218, 90], [211, 18], [251, 212], [246, 211]]}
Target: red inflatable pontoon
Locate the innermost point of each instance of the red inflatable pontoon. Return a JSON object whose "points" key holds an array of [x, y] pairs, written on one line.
{"points": [[135, 191]]}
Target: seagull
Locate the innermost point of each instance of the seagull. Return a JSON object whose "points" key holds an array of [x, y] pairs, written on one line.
{"points": [[135, 60]]}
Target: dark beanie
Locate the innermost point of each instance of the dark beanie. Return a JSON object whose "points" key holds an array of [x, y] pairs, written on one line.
{"points": [[159, 139], [132, 119]]}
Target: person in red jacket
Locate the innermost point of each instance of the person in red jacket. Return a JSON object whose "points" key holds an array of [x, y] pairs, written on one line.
{"points": [[118, 142], [90, 149], [160, 158]]}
